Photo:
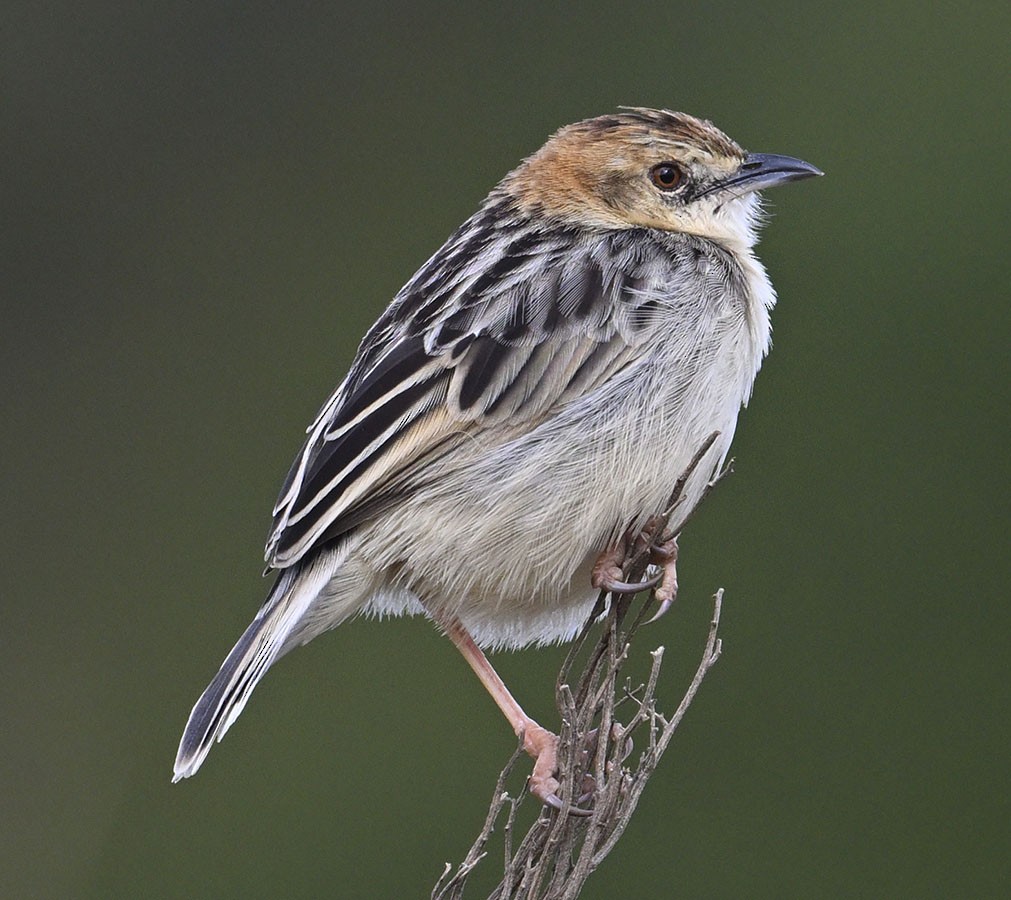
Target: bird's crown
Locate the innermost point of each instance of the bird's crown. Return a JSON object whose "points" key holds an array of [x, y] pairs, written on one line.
{"points": [[637, 167]]}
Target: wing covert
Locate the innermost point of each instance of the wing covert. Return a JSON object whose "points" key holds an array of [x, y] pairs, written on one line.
{"points": [[483, 342]]}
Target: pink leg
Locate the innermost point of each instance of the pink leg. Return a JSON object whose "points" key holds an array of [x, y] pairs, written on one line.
{"points": [[538, 742]]}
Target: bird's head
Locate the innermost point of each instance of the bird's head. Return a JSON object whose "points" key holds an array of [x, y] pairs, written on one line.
{"points": [[650, 168]]}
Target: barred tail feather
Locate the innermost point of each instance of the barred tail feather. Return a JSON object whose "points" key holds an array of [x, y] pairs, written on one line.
{"points": [[269, 636]]}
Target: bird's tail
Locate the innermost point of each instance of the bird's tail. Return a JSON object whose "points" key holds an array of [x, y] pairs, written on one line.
{"points": [[279, 626]]}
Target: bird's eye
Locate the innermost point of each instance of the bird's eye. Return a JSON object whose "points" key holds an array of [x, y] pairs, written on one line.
{"points": [[666, 176]]}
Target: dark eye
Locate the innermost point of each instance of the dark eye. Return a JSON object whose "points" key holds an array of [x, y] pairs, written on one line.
{"points": [[666, 176]]}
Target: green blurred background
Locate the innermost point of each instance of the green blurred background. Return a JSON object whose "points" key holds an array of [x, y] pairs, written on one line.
{"points": [[204, 207]]}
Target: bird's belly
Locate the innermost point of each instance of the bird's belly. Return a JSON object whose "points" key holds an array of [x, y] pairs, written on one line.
{"points": [[508, 542]]}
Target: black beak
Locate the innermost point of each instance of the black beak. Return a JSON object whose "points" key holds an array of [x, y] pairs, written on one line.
{"points": [[764, 170]]}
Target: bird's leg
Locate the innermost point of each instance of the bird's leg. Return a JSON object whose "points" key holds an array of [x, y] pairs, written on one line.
{"points": [[538, 742]]}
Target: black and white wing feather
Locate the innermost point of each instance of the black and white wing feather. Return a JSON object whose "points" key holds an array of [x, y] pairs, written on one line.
{"points": [[504, 325]]}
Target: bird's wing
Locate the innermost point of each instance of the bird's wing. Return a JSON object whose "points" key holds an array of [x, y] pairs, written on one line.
{"points": [[492, 336]]}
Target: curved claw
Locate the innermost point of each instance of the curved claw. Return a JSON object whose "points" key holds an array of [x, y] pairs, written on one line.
{"points": [[631, 587], [661, 611], [555, 802]]}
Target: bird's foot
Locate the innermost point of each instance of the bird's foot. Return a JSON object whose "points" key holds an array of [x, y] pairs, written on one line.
{"points": [[608, 576], [665, 555], [542, 746], [607, 570]]}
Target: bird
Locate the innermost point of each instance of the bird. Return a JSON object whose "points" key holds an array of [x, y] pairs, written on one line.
{"points": [[522, 408]]}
